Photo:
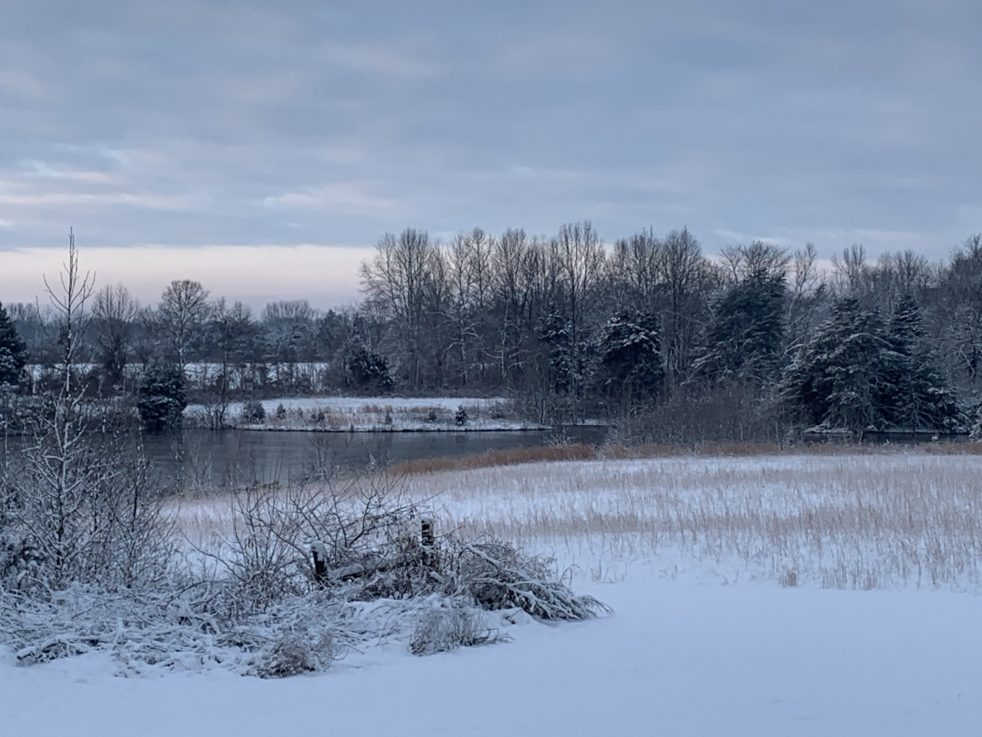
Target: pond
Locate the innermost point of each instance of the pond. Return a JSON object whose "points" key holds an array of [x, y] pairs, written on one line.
{"points": [[206, 459]]}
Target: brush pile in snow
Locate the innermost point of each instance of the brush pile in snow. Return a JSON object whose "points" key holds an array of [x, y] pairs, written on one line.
{"points": [[303, 577]]}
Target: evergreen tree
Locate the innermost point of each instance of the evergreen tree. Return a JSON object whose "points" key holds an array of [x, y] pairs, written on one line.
{"points": [[920, 399], [976, 432], [745, 335], [13, 353], [161, 399], [630, 360], [555, 333], [842, 377], [369, 371]]}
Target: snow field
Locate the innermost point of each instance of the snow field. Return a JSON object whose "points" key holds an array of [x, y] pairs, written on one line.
{"points": [[678, 659]]}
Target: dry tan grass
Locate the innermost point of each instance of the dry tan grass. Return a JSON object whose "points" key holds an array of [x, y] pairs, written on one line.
{"points": [[375, 409], [493, 458], [843, 521], [583, 452], [882, 519]]}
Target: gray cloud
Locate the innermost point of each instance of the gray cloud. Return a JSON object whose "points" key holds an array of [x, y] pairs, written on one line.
{"points": [[188, 123]]}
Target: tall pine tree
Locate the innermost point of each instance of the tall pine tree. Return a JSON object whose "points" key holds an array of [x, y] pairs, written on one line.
{"points": [[841, 380], [556, 335], [161, 399], [629, 368], [919, 399], [745, 335], [13, 352]]}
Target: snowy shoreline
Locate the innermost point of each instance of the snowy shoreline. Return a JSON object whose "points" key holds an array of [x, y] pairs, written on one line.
{"points": [[381, 430], [368, 414]]}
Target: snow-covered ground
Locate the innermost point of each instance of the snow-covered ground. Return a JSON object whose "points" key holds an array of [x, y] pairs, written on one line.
{"points": [[202, 374], [676, 659], [374, 414], [777, 595]]}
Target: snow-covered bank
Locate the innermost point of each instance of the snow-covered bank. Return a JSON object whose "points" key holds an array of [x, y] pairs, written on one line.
{"points": [[678, 659], [371, 414]]}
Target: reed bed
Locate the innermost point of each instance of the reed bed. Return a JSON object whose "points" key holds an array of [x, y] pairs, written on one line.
{"points": [[870, 519]]}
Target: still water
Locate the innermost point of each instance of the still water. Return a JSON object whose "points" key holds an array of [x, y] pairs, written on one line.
{"points": [[205, 459]]}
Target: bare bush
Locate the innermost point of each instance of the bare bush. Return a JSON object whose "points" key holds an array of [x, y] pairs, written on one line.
{"points": [[296, 651], [451, 624], [361, 530], [302, 574], [70, 509], [363, 541], [500, 576], [74, 512]]}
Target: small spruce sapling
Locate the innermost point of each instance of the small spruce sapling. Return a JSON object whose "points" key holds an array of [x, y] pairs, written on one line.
{"points": [[253, 412]]}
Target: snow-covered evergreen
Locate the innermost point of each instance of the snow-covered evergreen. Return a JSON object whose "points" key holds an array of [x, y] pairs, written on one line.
{"points": [[858, 374], [630, 366], [13, 352], [920, 399], [745, 336]]}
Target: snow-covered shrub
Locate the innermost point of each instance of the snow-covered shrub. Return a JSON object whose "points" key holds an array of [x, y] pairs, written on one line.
{"points": [[976, 433], [19, 558], [77, 507], [451, 624], [79, 618], [177, 630], [497, 411], [370, 546], [260, 602], [294, 652], [253, 412], [257, 563], [500, 576], [161, 399], [460, 418], [366, 538]]}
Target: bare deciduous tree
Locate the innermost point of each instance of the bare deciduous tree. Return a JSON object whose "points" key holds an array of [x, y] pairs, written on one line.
{"points": [[183, 310], [114, 312], [70, 496], [396, 280]]}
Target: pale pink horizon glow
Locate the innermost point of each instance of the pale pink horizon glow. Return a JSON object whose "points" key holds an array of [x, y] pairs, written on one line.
{"points": [[326, 275]]}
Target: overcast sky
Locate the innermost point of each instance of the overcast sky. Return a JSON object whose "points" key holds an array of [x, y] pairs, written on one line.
{"points": [[224, 140]]}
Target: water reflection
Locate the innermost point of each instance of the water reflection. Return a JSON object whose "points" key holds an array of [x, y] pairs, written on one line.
{"points": [[199, 460]]}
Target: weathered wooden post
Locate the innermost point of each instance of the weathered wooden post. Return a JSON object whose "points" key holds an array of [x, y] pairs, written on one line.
{"points": [[426, 532], [319, 554], [427, 538]]}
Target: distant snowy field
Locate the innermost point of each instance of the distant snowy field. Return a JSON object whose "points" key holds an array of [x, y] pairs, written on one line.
{"points": [[375, 414], [774, 595]]}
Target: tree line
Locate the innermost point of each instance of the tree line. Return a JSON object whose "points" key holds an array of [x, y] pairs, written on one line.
{"points": [[650, 330]]}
